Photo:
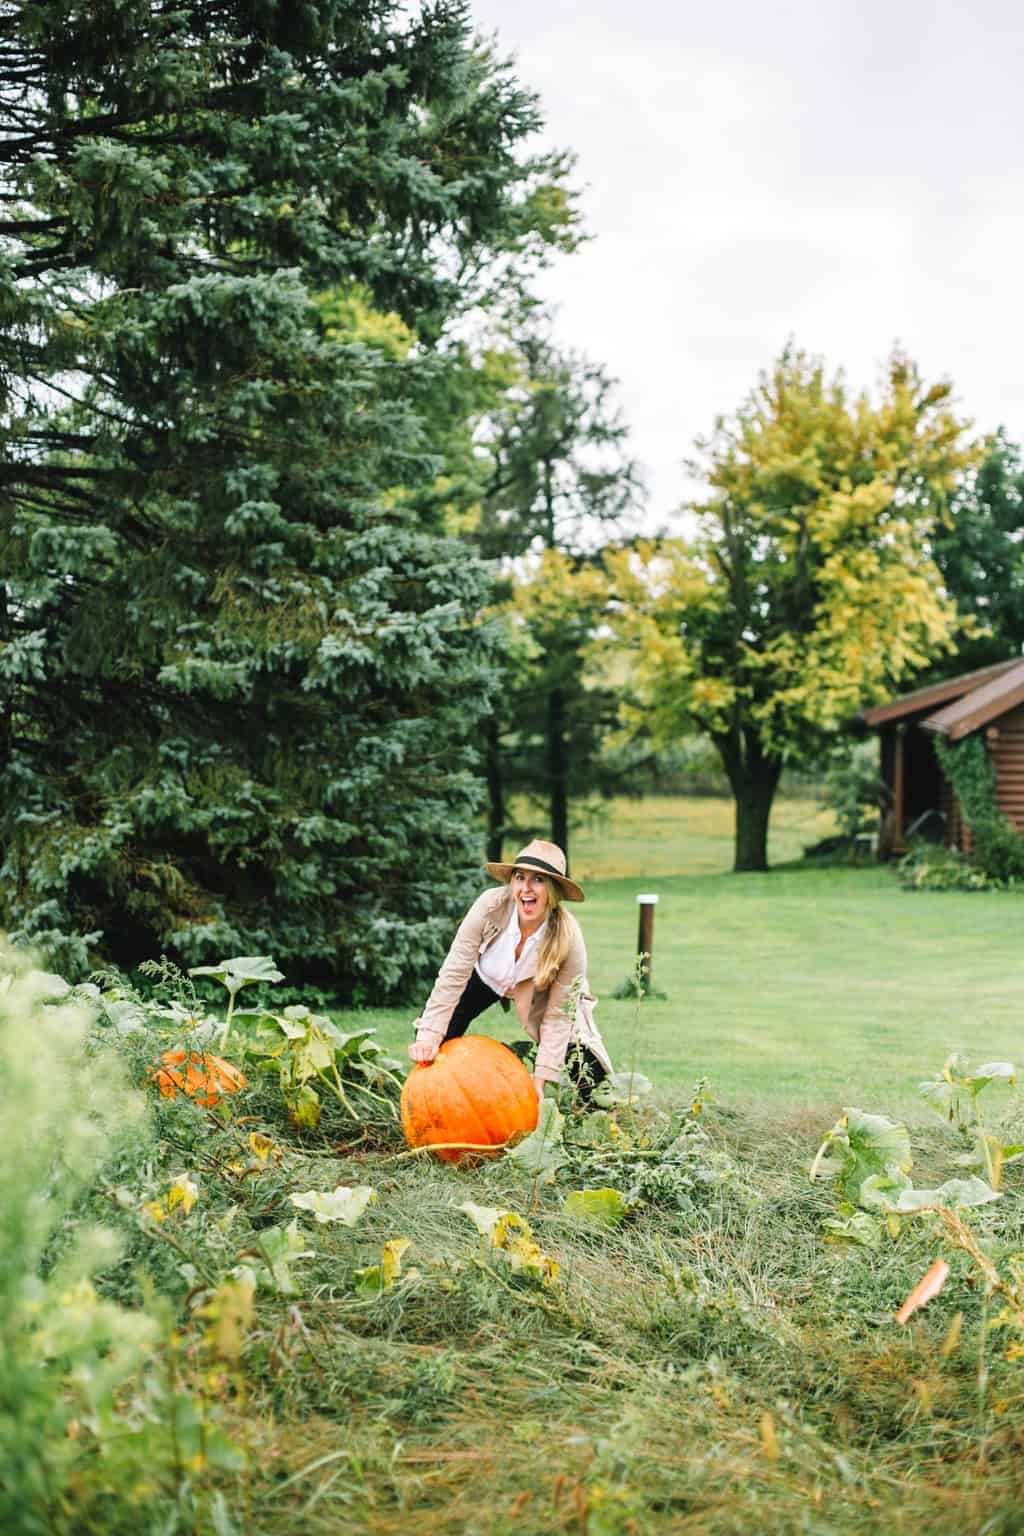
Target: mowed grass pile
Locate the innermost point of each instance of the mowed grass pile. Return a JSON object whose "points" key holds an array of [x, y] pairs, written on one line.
{"points": [[712, 1364], [714, 1370]]}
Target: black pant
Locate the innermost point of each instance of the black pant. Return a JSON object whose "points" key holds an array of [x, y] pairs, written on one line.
{"points": [[582, 1067]]}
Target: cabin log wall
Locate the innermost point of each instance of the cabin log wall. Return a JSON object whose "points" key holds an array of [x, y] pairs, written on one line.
{"points": [[1005, 743]]}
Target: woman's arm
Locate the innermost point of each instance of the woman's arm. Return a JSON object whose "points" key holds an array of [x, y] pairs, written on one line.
{"points": [[432, 1025]]}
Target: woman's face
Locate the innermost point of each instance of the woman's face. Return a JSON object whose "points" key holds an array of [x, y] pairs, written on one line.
{"points": [[531, 894]]}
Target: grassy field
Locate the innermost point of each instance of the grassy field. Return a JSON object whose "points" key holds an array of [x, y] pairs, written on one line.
{"points": [[803, 988], [714, 1357]]}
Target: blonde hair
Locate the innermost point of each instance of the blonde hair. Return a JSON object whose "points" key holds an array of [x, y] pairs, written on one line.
{"points": [[557, 940], [559, 932]]}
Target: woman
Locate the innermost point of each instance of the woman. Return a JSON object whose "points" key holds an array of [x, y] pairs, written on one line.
{"points": [[520, 944]]}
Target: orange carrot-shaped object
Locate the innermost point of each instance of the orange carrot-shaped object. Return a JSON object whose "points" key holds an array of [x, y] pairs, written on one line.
{"points": [[929, 1285]]}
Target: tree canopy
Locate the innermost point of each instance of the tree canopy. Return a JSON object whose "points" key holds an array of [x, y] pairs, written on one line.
{"points": [[559, 482], [808, 588], [240, 667], [979, 550]]}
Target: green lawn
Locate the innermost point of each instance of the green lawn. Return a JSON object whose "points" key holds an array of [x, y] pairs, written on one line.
{"points": [[800, 988]]}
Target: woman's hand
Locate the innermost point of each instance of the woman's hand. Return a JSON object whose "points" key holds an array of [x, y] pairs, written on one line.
{"points": [[423, 1050], [538, 1083]]}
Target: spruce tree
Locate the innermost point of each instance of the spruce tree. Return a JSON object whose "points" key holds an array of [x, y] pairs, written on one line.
{"points": [[240, 669], [561, 482]]}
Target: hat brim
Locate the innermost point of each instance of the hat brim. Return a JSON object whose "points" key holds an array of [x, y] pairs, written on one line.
{"points": [[504, 873]]}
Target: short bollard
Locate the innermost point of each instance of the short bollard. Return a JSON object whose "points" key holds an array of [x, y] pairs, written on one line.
{"points": [[645, 938]]}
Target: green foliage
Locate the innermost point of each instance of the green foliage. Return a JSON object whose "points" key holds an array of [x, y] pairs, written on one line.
{"points": [[869, 1158], [979, 549], [955, 1093], [998, 847], [933, 867], [309, 1056], [558, 478], [808, 589], [66, 1352], [853, 786], [241, 671], [656, 1342]]}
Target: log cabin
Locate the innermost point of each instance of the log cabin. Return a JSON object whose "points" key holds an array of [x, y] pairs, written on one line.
{"points": [[919, 798]]}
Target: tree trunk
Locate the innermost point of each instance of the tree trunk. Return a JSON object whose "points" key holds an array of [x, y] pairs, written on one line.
{"points": [[558, 774], [754, 777], [753, 808], [495, 791]]}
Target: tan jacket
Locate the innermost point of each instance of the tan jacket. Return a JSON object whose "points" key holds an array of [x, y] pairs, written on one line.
{"points": [[540, 1012]]}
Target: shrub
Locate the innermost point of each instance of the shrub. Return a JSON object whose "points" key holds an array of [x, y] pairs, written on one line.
{"points": [[998, 846], [853, 789], [65, 1351], [933, 867]]}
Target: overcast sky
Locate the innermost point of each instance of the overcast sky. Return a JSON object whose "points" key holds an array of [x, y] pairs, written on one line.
{"points": [[849, 173]]}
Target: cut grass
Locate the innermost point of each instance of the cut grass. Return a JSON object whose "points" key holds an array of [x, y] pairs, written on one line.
{"points": [[713, 1370], [807, 987], [710, 1370]]}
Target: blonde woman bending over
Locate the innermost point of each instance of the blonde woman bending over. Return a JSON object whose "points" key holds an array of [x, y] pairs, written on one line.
{"points": [[519, 945]]}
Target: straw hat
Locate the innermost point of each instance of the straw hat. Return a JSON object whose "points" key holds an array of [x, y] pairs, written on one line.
{"points": [[548, 858]]}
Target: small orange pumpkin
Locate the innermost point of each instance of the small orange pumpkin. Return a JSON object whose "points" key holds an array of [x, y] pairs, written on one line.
{"points": [[205, 1078], [475, 1092]]}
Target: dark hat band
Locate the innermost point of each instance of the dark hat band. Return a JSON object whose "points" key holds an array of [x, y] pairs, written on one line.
{"points": [[539, 864]]}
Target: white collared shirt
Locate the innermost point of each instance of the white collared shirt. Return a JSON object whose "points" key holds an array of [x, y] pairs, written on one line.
{"points": [[498, 966]]}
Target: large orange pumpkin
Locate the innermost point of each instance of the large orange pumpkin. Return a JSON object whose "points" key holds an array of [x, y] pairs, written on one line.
{"points": [[475, 1092], [205, 1078]]}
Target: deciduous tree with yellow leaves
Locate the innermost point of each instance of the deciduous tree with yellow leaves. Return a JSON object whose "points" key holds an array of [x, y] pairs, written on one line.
{"points": [[808, 588]]}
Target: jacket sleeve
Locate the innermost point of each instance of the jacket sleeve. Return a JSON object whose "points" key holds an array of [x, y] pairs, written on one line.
{"points": [[556, 1028], [432, 1025]]}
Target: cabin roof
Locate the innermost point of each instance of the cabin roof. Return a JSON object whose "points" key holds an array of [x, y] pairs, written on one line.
{"points": [[981, 705], [955, 693]]}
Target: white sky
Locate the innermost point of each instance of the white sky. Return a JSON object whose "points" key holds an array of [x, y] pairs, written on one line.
{"points": [[848, 173]]}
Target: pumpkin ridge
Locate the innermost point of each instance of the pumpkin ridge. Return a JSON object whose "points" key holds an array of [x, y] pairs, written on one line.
{"points": [[476, 1091], [510, 1084]]}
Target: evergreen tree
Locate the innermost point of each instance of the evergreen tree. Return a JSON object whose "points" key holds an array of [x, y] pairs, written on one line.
{"points": [[560, 481], [239, 668]]}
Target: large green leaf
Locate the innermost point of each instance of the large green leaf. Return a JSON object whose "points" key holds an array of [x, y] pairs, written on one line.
{"points": [[880, 1191], [862, 1146], [310, 1057], [857, 1227], [599, 1207], [954, 1194], [240, 972], [542, 1153], [954, 1091], [280, 1247]]}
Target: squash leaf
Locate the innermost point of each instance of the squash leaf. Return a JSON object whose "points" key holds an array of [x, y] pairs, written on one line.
{"points": [[598, 1207], [280, 1247], [240, 972], [541, 1153], [381, 1277], [510, 1237], [857, 1227], [341, 1204], [860, 1147], [622, 1088], [954, 1194]]}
